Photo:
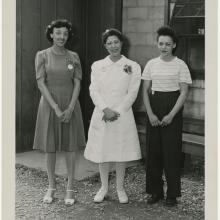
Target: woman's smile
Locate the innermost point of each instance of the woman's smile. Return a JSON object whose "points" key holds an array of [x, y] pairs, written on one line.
{"points": [[60, 36], [113, 46], [165, 45]]}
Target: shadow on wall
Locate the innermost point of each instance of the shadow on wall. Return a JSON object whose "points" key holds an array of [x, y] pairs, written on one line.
{"points": [[75, 41], [126, 46]]}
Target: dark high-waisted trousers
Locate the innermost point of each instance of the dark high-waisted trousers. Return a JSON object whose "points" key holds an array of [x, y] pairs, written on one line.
{"points": [[164, 146]]}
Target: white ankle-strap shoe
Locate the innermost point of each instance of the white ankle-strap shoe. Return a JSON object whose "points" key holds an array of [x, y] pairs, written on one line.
{"points": [[49, 199], [122, 197], [69, 202]]}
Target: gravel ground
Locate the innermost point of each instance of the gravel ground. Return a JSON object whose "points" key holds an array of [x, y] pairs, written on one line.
{"points": [[31, 186]]}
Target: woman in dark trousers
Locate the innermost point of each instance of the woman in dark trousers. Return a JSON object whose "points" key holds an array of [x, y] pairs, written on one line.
{"points": [[165, 88]]}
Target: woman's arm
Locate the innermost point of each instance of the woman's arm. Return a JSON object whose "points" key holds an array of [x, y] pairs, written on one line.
{"points": [[76, 91], [133, 88], [145, 92], [75, 95], [46, 94], [179, 104], [40, 76], [94, 91], [109, 114]]}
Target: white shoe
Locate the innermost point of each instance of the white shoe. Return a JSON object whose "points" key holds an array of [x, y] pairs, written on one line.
{"points": [[49, 199], [69, 202], [100, 195], [122, 197]]}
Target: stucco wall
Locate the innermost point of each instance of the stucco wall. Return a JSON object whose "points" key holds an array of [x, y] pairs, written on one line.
{"points": [[141, 19]]}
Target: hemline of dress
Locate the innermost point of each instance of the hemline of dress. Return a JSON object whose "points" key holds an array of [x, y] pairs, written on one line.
{"points": [[113, 159], [57, 150]]}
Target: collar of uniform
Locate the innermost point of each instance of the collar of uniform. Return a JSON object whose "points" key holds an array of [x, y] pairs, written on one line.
{"points": [[120, 62]]}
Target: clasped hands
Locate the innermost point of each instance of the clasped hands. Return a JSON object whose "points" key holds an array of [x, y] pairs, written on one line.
{"points": [[65, 115], [167, 119], [110, 115]]}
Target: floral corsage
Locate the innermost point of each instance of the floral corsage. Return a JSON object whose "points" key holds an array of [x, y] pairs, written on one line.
{"points": [[71, 65], [128, 69]]}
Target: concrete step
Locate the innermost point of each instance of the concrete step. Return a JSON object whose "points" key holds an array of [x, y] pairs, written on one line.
{"points": [[83, 167], [193, 144]]}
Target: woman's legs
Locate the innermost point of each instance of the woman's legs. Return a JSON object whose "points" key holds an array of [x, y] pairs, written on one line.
{"points": [[50, 163], [154, 163], [120, 175], [70, 165], [172, 149], [104, 171]]}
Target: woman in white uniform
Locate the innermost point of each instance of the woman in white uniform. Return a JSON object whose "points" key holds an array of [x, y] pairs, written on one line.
{"points": [[113, 136]]}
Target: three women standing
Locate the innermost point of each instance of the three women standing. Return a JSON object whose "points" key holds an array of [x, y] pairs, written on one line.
{"points": [[112, 133], [112, 136], [59, 125]]}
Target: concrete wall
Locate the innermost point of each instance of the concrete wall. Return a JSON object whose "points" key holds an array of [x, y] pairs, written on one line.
{"points": [[195, 104], [141, 19]]}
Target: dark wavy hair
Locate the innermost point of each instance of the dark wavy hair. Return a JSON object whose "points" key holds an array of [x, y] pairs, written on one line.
{"points": [[58, 24], [111, 32], [168, 31]]}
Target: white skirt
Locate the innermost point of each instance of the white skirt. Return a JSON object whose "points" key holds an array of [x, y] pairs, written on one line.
{"points": [[115, 141]]}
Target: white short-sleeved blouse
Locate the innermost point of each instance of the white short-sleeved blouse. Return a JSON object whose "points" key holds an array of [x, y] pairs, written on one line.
{"points": [[166, 76]]}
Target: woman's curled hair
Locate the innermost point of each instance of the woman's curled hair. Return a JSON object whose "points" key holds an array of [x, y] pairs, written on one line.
{"points": [[168, 31], [111, 32], [58, 24]]}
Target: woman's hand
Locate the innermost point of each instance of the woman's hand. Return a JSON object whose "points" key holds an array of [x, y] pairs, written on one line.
{"points": [[67, 115], [58, 112], [167, 119], [154, 120], [110, 115]]}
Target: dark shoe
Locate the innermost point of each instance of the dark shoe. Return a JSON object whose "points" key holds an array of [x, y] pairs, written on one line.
{"points": [[171, 202], [154, 198]]}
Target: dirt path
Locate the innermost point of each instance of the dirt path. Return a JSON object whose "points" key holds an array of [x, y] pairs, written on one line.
{"points": [[31, 186]]}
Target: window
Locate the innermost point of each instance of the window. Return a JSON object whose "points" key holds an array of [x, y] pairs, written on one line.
{"points": [[187, 17]]}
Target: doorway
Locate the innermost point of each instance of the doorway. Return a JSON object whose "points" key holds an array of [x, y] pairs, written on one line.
{"points": [[89, 19]]}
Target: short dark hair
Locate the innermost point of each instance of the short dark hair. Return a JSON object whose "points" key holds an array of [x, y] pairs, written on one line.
{"points": [[58, 24], [168, 31], [111, 32]]}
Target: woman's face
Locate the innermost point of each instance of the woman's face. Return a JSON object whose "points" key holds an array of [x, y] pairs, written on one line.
{"points": [[60, 36], [113, 45], [165, 45]]}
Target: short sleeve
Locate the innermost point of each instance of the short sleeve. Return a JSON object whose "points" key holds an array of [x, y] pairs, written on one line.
{"points": [[184, 74], [78, 69], [40, 65], [146, 75]]}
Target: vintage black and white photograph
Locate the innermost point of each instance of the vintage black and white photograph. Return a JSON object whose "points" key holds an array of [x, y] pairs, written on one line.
{"points": [[110, 109]]}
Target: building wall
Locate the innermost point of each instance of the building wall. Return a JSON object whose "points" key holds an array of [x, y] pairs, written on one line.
{"points": [[195, 104], [141, 19], [32, 16]]}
